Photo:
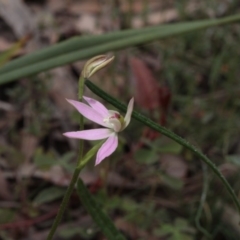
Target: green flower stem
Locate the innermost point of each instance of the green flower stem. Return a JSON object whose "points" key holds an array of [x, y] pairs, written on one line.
{"points": [[146, 121], [80, 89], [81, 122], [81, 164], [64, 203]]}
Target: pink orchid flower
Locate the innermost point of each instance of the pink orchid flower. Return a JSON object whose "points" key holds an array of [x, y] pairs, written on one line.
{"points": [[112, 120]]}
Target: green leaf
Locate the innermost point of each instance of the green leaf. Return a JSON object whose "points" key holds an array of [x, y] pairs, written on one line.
{"points": [[146, 156], [175, 231], [92, 46], [48, 195], [64, 161], [100, 218], [43, 160], [166, 147], [6, 215], [148, 122], [69, 231], [174, 183], [71, 45]]}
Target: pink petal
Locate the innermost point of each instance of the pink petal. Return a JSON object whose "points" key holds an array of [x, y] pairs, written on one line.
{"points": [[88, 112], [99, 107], [107, 148], [129, 113], [93, 134]]}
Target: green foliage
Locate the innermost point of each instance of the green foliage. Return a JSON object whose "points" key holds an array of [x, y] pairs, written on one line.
{"points": [[178, 231], [69, 232], [235, 159], [171, 182], [162, 145], [6, 215], [151, 155], [143, 214], [48, 195], [203, 73], [13, 155], [44, 160], [65, 161], [34, 98], [146, 156], [98, 45], [146, 121], [101, 219]]}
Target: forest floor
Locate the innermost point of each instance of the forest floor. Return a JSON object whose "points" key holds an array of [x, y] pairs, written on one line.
{"points": [[151, 187]]}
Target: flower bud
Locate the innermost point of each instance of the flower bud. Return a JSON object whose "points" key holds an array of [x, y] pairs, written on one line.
{"points": [[94, 64]]}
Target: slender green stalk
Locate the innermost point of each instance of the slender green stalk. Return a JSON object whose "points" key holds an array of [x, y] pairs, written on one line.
{"points": [[81, 121], [146, 121], [64, 203], [82, 162]]}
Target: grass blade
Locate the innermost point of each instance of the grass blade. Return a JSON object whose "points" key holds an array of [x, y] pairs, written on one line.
{"points": [[95, 48], [72, 44]]}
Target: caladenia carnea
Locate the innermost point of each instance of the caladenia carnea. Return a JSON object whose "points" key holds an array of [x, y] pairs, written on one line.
{"points": [[110, 119]]}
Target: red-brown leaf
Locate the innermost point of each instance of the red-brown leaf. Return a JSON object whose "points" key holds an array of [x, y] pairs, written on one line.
{"points": [[146, 88]]}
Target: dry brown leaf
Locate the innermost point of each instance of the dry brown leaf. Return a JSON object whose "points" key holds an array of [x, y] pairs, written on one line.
{"points": [[86, 23], [56, 5], [58, 176], [139, 6], [54, 175], [29, 144], [159, 15], [173, 165], [79, 7], [63, 86], [116, 180], [10, 118], [4, 44], [231, 218], [146, 89], [89, 176], [6, 106], [18, 16], [228, 169], [132, 230]]}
